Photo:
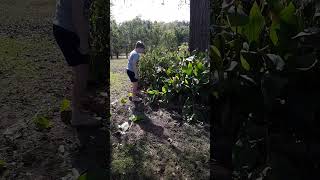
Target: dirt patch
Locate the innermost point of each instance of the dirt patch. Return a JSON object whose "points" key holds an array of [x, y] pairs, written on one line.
{"points": [[158, 145], [34, 79]]}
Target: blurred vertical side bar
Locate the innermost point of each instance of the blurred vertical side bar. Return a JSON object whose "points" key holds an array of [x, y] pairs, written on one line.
{"points": [[100, 70], [220, 125]]}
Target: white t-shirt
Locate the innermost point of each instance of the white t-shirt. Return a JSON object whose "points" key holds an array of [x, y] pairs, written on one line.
{"points": [[63, 14], [133, 58]]}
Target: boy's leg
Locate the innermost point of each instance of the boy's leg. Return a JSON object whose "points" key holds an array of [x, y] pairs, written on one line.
{"points": [[135, 92], [134, 88]]}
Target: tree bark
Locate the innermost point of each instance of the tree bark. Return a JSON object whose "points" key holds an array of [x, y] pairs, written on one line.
{"points": [[199, 25]]}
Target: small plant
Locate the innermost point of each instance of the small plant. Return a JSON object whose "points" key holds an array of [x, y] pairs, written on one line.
{"points": [[135, 118], [65, 111], [65, 105], [123, 100], [42, 122], [2, 166]]}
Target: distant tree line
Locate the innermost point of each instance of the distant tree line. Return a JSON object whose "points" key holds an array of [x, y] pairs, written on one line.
{"points": [[154, 34]]}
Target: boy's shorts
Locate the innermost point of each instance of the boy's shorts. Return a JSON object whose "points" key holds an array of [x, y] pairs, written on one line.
{"points": [[69, 43], [131, 76]]}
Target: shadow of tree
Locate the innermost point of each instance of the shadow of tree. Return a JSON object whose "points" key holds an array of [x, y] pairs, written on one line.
{"points": [[93, 156], [129, 163], [146, 123]]}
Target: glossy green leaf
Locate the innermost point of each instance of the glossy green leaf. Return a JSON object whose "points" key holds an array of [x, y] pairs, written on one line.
{"points": [[164, 89], [189, 69], [216, 56], [287, 15], [151, 92], [273, 32], [244, 63], [200, 65], [256, 24], [215, 53], [168, 71]]}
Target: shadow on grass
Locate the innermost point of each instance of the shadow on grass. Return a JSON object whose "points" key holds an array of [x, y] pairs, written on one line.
{"points": [[128, 162], [191, 160], [146, 124]]}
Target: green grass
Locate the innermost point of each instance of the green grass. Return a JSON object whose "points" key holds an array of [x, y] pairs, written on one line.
{"points": [[14, 11], [17, 55], [119, 81], [118, 65], [129, 159]]}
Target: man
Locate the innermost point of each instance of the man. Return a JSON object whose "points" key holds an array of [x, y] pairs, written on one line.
{"points": [[71, 31]]}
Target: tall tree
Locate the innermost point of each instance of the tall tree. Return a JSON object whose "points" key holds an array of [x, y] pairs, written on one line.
{"points": [[199, 25]]}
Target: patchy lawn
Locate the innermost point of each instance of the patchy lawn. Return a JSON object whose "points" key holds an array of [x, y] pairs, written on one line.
{"points": [[119, 81]]}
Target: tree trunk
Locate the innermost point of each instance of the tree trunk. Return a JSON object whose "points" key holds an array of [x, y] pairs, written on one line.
{"points": [[117, 55], [199, 25]]}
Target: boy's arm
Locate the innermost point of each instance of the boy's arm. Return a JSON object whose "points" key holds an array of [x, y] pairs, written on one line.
{"points": [[81, 25]]}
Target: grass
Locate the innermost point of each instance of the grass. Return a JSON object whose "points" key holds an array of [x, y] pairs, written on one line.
{"points": [[18, 55], [128, 161], [119, 81], [14, 11]]}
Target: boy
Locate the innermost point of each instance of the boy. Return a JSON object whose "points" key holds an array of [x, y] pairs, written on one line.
{"points": [[132, 70]]}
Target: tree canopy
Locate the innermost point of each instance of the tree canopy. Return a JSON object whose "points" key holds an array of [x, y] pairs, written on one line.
{"points": [[153, 34]]}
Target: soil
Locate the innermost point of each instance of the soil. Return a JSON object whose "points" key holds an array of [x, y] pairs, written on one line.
{"points": [[34, 79], [159, 145]]}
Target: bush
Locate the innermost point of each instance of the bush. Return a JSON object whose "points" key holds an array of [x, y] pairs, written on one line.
{"points": [[177, 76]]}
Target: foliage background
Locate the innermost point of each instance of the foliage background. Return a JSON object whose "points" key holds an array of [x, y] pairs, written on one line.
{"points": [[264, 58], [153, 34]]}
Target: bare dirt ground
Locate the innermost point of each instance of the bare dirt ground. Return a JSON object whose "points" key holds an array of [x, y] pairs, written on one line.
{"points": [[34, 79], [159, 145]]}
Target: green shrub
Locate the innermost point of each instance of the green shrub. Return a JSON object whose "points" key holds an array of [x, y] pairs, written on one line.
{"points": [[176, 76]]}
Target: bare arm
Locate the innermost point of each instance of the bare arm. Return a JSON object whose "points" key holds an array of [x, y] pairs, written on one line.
{"points": [[81, 24]]}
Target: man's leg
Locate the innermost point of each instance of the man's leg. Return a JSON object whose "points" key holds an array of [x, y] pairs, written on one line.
{"points": [[78, 89], [81, 73]]}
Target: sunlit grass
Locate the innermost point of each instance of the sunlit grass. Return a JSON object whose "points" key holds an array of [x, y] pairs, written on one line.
{"points": [[119, 81]]}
